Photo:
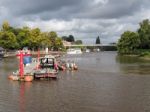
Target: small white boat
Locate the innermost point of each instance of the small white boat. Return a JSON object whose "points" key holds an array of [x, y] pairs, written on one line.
{"points": [[87, 50], [74, 51]]}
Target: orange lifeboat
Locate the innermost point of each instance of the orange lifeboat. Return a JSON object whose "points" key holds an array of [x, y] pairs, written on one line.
{"points": [[28, 78]]}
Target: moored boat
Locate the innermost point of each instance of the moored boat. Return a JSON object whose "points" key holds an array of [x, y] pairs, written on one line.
{"points": [[47, 68], [74, 51]]}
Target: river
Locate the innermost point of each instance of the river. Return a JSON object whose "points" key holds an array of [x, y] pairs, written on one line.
{"points": [[104, 82]]}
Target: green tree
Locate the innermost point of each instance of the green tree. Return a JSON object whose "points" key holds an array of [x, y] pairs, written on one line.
{"points": [[78, 42], [5, 26], [58, 44], [144, 34], [35, 38], [70, 38], [8, 40], [52, 36], [128, 43], [45, 40], [98, 40], [23, 37], [64, 38]]}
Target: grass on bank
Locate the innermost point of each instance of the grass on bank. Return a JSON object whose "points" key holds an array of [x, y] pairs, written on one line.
{"points": [[144, 53]]}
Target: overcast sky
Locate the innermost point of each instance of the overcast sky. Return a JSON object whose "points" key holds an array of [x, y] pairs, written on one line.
{"points": [[85, 19]]}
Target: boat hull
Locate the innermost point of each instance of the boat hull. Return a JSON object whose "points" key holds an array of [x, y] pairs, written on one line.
{"points": [[45, 75]]}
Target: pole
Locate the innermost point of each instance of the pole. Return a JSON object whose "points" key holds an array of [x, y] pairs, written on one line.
{"points": [[21, 67], [38, 61]]}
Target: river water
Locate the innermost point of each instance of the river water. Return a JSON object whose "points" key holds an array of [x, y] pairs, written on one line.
{"points": [[104, 82]]}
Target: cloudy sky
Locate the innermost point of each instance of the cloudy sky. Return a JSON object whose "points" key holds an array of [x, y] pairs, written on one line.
{"points": [[85, 19]]}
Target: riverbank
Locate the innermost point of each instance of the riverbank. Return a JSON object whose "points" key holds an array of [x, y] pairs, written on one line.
{"points": [[146, 56], [34, 53], [143, 54]]}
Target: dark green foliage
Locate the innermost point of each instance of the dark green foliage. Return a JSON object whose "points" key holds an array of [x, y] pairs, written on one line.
{"points": [[128, 43], [22, 36], [144, 34], [78, 42], [64, 38], [70, 38], [98, 40], [8, 40], [133, 42]]}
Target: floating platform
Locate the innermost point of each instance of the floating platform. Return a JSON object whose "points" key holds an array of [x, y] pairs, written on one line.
{"points": [[26, 78]]}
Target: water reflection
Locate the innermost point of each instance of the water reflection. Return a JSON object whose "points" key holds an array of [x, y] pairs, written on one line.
{"points": [[22, 98], [24, 86], [126, 59], [133, 65]]}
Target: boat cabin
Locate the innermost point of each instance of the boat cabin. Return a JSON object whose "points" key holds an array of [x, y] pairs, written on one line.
{"points": [[47, 62]]}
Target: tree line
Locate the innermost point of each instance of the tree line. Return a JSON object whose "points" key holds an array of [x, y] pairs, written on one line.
{"points": [[71, 39], [16, 38], [134, 42]]}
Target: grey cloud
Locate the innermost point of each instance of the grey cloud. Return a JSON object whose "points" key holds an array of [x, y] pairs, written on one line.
{"points": [[113, 9], [72, 8], [24, 7], [101, 17]]}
